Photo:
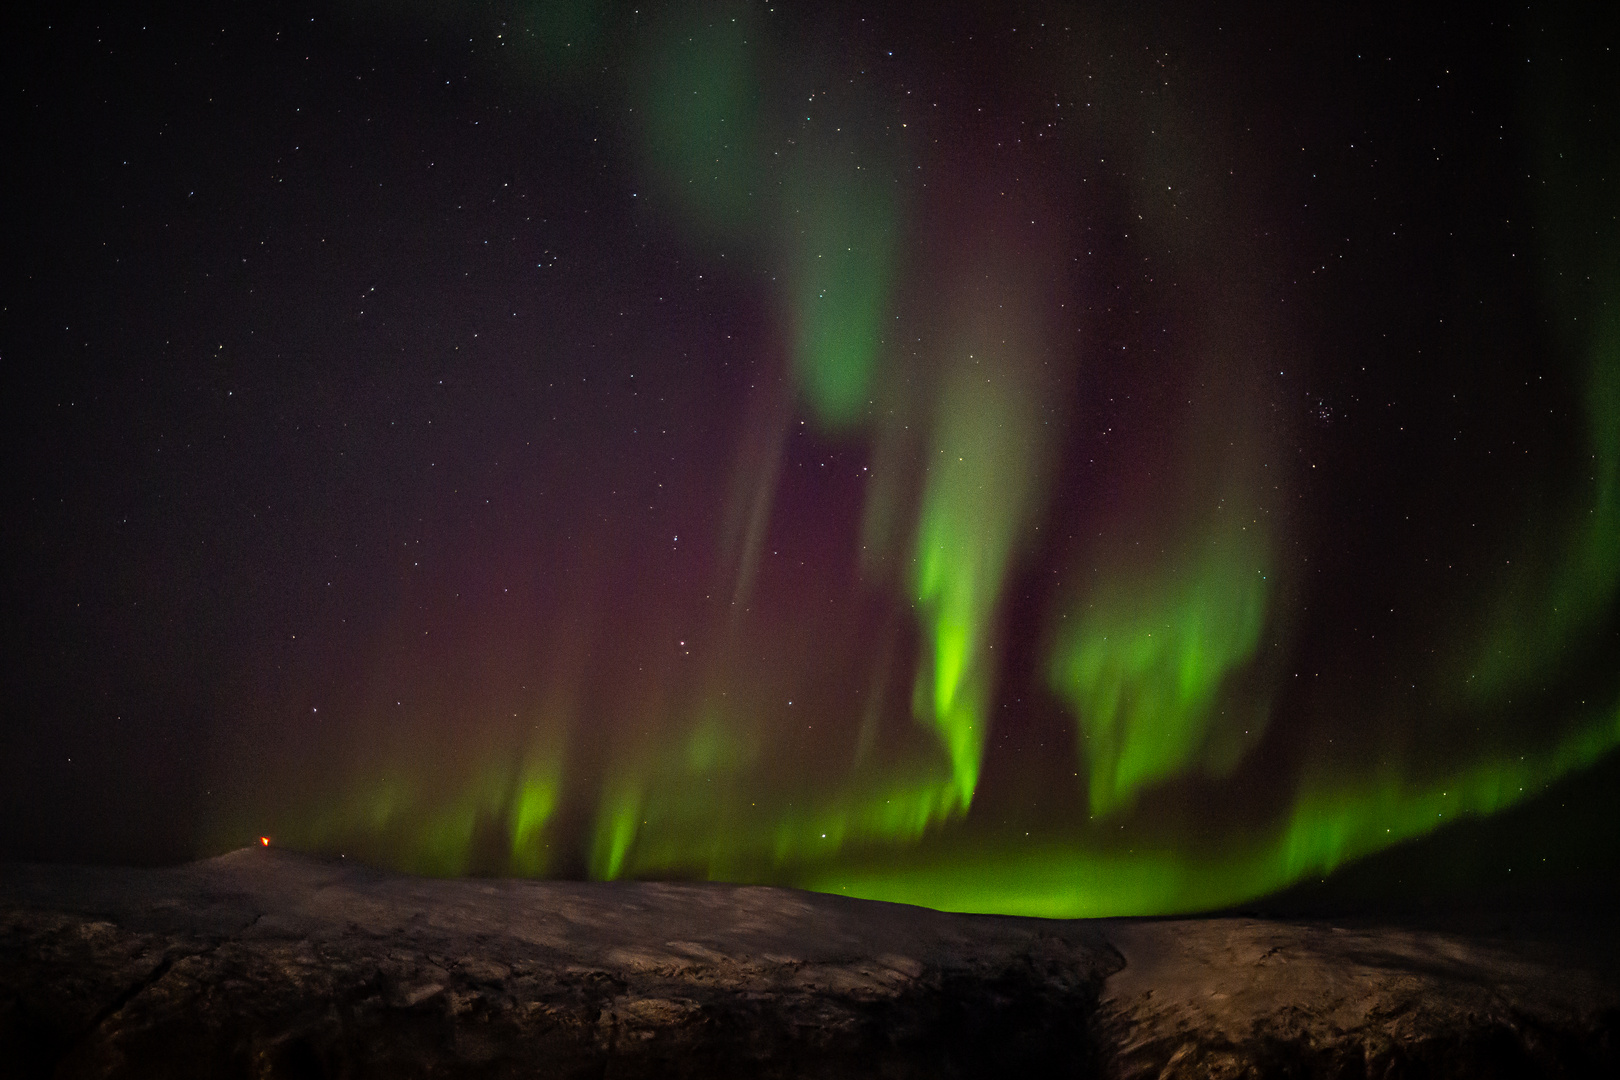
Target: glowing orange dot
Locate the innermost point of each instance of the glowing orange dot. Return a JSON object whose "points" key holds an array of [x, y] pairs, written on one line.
{"points": [[265, 840]]}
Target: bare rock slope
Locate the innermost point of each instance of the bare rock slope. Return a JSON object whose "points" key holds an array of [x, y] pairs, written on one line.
{"points": [[267, 964], [1237, 997]]}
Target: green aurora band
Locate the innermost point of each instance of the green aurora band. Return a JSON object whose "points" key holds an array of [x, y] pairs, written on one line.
{"points": [[1329, 825], [1142, 666], [977, 499], [1146, 656]]}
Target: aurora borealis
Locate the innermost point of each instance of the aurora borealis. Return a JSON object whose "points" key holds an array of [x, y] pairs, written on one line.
{"points": [[1060, 462]]}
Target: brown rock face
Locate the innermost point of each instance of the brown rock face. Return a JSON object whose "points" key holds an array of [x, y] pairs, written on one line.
{"points": [[1247, 997], [267, 964]]}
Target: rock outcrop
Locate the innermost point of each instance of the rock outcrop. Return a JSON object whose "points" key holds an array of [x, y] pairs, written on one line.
{"points": [[1231, 997], [263, 963]]}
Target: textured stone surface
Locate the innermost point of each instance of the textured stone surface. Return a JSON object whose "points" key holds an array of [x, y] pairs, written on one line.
{"points": [[1246, 997], [262, 963], [267, 964]]}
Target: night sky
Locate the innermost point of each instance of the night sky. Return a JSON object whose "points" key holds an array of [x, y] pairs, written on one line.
{"points": [[1051, 459]]}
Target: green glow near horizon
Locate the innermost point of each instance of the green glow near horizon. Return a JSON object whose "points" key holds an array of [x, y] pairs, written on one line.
{"points": [[616, 826], [673, 779], [433, 824], [1330, 824], [687, 824], [1142, 663], [533, 803], [694, 803]]}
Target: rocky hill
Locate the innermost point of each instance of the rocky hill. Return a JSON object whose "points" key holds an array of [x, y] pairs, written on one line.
{"points": [[264, 963]]}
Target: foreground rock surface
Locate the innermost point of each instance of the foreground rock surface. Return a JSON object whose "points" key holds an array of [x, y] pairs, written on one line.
{"points": [[1246, 997], [267, 964]]}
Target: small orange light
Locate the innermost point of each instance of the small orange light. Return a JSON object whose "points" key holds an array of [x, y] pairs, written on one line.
{"points": [[265, 840]]}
